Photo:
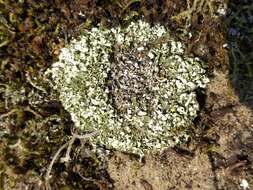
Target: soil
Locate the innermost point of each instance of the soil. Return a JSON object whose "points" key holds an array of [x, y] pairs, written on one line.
{"points": [[33, 124]]}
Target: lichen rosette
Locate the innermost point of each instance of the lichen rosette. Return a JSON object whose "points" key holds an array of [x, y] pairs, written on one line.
{"points": [[134, 85]]}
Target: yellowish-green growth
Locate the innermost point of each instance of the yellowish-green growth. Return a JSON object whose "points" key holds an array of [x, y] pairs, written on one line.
{"points": [[133, 85]]}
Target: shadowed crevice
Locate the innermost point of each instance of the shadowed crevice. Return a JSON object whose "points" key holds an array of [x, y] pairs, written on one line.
{"points": [[240, 43]]}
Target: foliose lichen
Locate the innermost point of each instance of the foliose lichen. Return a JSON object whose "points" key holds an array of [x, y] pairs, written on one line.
{"points": [[134, 85]]}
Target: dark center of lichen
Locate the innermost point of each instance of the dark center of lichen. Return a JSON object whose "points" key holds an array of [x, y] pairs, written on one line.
{"points": [[130, 82]]}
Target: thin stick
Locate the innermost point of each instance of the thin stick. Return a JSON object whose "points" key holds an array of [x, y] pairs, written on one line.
{"points": [[72, 140], [28, 109], [9, 113], [67, 155], [85, 136], [54, 159], [67, 145]]}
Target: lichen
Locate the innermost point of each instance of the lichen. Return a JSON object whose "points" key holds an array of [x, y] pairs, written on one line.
{"points": [[134, 85]]}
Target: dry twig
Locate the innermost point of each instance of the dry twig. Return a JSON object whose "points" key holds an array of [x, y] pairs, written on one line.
{"points": [[66, 158]]}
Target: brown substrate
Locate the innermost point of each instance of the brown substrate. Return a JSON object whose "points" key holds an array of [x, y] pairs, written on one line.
{"points": [[34, 124]]}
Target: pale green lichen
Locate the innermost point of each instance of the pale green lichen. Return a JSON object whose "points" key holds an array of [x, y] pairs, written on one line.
{"points": [[133, 85]]}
